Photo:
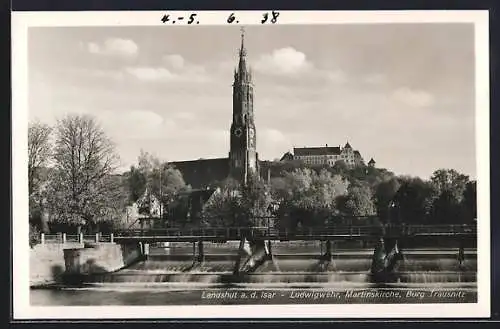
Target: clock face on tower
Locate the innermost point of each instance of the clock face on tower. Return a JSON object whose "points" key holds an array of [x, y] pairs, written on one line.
{"points": [[251, 134]]}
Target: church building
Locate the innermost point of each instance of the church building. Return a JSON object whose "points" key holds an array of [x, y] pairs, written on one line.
{"points": [[243, 159]]}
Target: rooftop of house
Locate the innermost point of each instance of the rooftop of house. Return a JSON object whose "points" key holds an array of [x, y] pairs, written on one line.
{"points": [[203, 173], [287, 156]]}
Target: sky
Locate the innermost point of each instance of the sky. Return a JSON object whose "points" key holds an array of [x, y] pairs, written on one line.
{"points": [[402, 94]]}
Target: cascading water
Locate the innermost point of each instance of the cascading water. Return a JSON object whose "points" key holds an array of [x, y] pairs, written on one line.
{"points": [[292, 264]]}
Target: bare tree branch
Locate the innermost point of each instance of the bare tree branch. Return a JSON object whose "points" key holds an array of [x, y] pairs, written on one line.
{"points": [[85, 159], [39, 151]]}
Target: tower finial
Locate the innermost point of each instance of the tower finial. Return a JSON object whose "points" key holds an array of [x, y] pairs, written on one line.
{"points": [[242, 49]]}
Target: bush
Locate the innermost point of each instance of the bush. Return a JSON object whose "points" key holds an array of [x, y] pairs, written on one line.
{"points": [[34, 236]]}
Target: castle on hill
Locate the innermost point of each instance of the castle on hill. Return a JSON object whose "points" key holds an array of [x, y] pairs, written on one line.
{"points": [[327, 155]]}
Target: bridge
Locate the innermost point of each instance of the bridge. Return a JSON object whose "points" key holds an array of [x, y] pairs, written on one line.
{"points": [[263, 237], [338, 232]]}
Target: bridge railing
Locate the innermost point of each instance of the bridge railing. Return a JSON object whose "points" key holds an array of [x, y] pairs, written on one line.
{"points": [[339, 230], [441, 229], [52, 238], [226, 233], [61, 238]]}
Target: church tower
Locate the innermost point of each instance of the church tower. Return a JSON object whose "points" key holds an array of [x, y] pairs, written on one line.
{"points": [[243, 157]]}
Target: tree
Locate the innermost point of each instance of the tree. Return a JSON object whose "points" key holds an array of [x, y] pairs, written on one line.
{"points": [[340, 167], [385, 192], [141, 180], [375, 176], [113, 202], [306, 197], [39, 152], [136, 181], [241, 205], [255, 202], [413, 200], [469, 201], [157, 179], [34, 235], [446, 209], [224, 205], [450, 180], [447, 206], [166, 183], [85, 158], [358, 201]]}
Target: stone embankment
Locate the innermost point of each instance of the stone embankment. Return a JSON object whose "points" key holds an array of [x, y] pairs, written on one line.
{"points": [[50, 262]]}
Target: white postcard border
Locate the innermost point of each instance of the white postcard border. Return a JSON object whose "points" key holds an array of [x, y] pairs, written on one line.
{"points": [[22, 309]]}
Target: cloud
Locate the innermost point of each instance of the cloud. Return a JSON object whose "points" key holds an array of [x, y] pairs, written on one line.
{"points": [[271, 135], [93, 48], [413, 98], [150, 73], [187, 116], [284, 61], [289, 62], [374, 79], [272, 143], [175, 69], [114, 47], [337, 76], [174, 61], [138, 124], [96, 73]]}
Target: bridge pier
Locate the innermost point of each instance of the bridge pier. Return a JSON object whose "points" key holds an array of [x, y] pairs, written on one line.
{"points": [[200, 255], [328, 250], [386, 258], [269, 252], [461, 254], [326, 260], [241, 252], [201, 252], [144, 249]]}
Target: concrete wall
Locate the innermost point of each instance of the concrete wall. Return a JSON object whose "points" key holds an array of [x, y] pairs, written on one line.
{"points": [[100, 258], [47, 262]]}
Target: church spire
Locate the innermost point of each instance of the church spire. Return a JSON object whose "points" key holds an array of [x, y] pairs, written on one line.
{"points": [[243, 156], [243, 72]]}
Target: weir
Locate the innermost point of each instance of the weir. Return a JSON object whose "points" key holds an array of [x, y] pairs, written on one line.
{"points": [[352, 267], [356, 258]]}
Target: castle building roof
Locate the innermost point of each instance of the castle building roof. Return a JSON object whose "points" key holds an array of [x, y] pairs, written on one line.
{"points": [[326, 150]]}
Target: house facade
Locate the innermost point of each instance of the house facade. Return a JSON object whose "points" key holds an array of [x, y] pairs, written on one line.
{"points": [[326, 155]]}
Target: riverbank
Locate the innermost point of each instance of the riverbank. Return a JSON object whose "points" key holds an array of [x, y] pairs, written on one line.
{"points": [[51, 263], [47, 264]]}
